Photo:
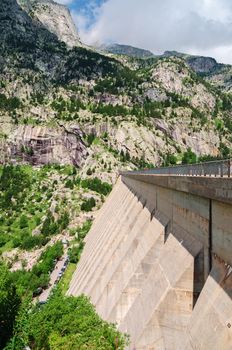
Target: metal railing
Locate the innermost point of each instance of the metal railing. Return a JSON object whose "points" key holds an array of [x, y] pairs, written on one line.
{"points": [[218, 168]]}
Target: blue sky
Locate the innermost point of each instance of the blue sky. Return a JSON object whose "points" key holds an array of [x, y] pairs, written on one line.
{"points": [[199, 27], [83, 4], [86, 8]]}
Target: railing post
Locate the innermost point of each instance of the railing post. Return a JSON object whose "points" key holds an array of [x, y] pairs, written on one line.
{"points": [[221, 170], [229, 166]]}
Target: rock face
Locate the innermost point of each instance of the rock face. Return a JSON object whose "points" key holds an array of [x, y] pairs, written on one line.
{"points": [[202, 64], [199, 64], [176, 78], [57, 19], [42, 145], [27, 39]]}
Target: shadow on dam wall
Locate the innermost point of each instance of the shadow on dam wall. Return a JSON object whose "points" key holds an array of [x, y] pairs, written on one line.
{"points": [[157, 261]]}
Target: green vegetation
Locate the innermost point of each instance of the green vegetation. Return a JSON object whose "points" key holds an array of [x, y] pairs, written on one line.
{"points": [[189, 157], [9, 305], [225, 151], [170, 159], [97, 185], [72, 105], [110, 110], [88, 204], [141, 163], [66, 323], [10, 103], [66, 279], [14, 182], [63, 322], [26, 195], [29, 281], [76, 86], [75, 252]]}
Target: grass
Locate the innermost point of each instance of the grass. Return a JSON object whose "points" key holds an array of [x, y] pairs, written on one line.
{"points": [[66, 279], [97, 141], [6, 248]]}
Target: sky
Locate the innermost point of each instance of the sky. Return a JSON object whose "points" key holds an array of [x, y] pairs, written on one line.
{"points": [[200, 27]]}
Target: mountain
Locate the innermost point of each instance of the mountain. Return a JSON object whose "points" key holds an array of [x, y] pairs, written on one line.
{"points": [[55, 17], [77, 106], [216, 73], [119, 49], [199, 64]]}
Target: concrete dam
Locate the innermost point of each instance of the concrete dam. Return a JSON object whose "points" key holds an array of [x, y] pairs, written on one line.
{"points": [[158, 259]]}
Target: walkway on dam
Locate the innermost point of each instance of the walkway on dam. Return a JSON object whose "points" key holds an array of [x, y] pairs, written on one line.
{"points": [[217, 168]]}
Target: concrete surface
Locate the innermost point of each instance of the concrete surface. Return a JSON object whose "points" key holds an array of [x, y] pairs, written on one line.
{"points": [[157, 261]]}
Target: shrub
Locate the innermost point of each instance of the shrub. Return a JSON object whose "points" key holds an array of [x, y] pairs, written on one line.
{"points": [[10, 103], [189, 157], [83, 230], [170, 159], [89, 172], [63, 221], [75, 253], [69, 184], [97, 185], [90, 139], [88, 204], [224, 150], [14, 181], [23, 222], [9, 305], [31, 242]]}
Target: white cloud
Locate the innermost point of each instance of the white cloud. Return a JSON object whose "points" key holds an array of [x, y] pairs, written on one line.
{"points": [[64, 2], [196, 26]]}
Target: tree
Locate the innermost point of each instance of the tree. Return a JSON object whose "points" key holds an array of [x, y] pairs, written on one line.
{"points": [[170, 159], [23, 222], [96, 185], [189, 157], [9, 305], [69, 323], [88, 204]]}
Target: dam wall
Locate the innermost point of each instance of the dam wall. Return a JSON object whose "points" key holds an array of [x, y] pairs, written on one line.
{"points": [[157, 261]]}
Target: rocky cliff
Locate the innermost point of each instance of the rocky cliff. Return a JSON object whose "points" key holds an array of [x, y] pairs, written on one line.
{"points": [[55, 17], [44, 145]]}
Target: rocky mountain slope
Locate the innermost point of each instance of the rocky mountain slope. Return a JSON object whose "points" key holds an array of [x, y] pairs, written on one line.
{"points": [[97, 112], [216, 73], [55, 17], [199, 64]]}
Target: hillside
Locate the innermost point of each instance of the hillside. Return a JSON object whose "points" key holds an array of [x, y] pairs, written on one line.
{"points": [[215, 73]]}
